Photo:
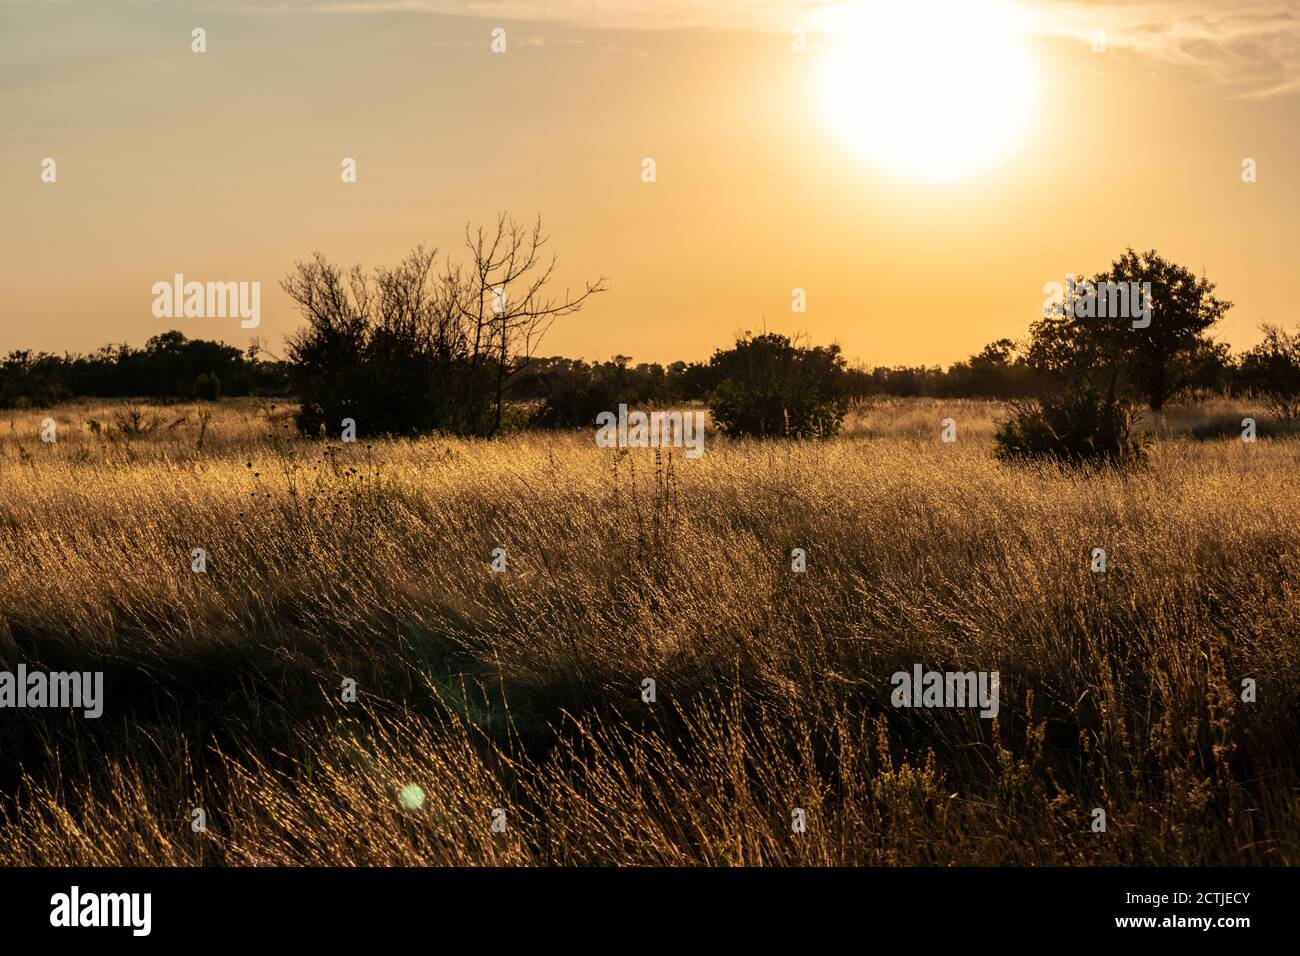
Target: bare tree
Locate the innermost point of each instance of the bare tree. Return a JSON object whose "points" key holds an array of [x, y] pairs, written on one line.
{"points": [[507, 304], [415, 346]]}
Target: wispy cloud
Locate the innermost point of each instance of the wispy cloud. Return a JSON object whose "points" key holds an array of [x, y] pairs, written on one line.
{"points": [[1253, 47], [1250, 46], [617, 14]]}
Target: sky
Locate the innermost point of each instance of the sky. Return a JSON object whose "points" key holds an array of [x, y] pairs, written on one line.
{"points": [[789, 141]]}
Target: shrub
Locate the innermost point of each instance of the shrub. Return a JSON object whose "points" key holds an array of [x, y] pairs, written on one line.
{"points": [[136, 422], [768, 386], [1077, 427]]}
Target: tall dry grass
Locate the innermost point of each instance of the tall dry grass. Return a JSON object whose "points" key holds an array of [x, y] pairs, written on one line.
{"points": [[521, 690]]}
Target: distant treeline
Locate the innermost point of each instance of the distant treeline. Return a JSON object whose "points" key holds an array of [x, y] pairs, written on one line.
{"points": [[1002, 370], [171, 366]]}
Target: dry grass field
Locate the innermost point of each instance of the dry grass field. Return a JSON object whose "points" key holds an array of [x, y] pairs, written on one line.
{"points": [[522, 690]]}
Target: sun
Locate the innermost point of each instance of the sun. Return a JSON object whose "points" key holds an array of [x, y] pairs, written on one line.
{"points": [[929, 89]]}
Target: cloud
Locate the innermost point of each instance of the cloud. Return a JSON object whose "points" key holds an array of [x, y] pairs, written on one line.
{"points": [[617, 14], [1251, 46]]}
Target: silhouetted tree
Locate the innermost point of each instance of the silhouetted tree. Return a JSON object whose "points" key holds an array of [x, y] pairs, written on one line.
{"points": [[769, 386], [1110, 354], [1272, 370], [409, 349]]}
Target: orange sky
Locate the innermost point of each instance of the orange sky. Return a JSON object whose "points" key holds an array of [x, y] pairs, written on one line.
{"points": [[225, 166]]}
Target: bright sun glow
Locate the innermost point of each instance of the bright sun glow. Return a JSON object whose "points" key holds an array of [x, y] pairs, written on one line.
{"points": [[931, 89]]}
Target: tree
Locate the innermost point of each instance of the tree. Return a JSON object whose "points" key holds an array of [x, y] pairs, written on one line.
{"points": [[328, 358], [506, 303], [411, 348], [769, 386], [1110, 354], [1272, 370], [1183, 309]]}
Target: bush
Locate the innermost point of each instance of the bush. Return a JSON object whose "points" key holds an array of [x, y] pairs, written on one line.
{"points": [[1078, 427], [768, 386]]}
